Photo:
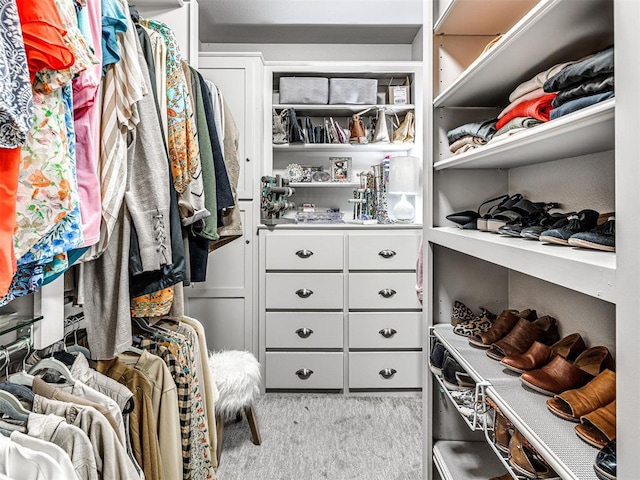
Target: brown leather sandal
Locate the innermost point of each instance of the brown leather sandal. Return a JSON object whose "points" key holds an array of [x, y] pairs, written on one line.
{"points": [[573, 404], [502, 325], [522, 335], [527, 461], [560, 375], [540, 354], [598, 427], [502, 430]]}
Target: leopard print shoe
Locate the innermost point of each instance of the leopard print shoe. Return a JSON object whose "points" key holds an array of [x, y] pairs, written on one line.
{"points": [[461, 313], [478, 324]]}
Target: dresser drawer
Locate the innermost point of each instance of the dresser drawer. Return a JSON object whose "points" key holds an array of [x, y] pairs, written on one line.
{"points": [[304, 252], [373, 330], [304, 330], [383, 252], [304, 290], [383, 290], [385, 370], [304, 370]]}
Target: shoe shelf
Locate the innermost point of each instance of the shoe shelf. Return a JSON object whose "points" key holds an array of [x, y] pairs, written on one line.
{"points": [[590, 272], [460, 17], [344, 147], [553, 437], [529, 47], [342, 110], [586, 131], [456, 460]]}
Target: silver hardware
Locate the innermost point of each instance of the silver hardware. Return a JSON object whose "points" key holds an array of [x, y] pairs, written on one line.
{"points": [[386, 253], [304, 253], [304, 293], [304, 332], [304, 373], [387, 292], [387, 373], [387, 332]]}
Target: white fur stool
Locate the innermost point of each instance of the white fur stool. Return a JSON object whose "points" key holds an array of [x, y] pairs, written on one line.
{"points": [[237, 376]]}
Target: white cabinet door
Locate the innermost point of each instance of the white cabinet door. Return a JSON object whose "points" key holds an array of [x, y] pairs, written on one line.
{"points": [[239, 79], [224, 303]]}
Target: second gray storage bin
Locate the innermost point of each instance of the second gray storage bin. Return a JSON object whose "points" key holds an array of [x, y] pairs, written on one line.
{"points": [[353, 91]]}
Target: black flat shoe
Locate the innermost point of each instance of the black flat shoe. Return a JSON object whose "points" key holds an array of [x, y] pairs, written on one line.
{"points": [[551, 221], [606, 463], [602, 237], [582, 221]]}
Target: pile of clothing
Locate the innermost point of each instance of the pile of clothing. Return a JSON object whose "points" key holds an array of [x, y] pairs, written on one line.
{"points": [[562, 89]]}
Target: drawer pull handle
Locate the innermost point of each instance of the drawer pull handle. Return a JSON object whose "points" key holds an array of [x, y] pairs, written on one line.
{"points": [[304, 373], [387, 292], [304, 293], [304, 253], [304, 332], [387, 332], [387, 373], [386, 253]]}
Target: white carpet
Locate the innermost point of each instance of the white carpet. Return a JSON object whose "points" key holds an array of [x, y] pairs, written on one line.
{"points": [[337, 437]]}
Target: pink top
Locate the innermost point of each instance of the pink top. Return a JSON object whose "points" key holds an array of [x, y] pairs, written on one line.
{"points": [[87, 125]]}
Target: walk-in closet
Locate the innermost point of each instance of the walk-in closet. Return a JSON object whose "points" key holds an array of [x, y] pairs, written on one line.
{"points": [[346, 239]]}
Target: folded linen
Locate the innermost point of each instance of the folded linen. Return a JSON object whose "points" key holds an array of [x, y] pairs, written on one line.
{"points": [[538, 108], [579, 103], [600, 84], [482, 128], [597, 64]]}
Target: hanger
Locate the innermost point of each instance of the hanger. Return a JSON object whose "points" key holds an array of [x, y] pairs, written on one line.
{"points": [[148, 329], [56, 365], [22, 377], [76, 348], [11, 406]]}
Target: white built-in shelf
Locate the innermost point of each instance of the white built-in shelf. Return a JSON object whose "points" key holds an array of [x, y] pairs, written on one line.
{"points": [[159, 3], [552, 32], [554, 438], [345, 147], [591, 272], [343, 110], [481, 17], [456, 460], [325, 184], [586, 131]]}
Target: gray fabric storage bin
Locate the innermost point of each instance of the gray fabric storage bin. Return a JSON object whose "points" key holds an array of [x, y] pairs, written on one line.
{"points": [[305, 90], [353, 91]]}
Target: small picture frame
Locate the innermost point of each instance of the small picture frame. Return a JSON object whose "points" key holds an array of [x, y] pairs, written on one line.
{"points": [[340, 168], [307, 170]]}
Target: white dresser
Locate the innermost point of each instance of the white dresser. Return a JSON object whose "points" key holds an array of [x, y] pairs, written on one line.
{"points": [[338, 308]]}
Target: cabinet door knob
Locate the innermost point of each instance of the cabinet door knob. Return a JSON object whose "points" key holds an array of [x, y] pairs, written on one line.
{"points": [[386, 253], [304, 332], [387, 292], [304, 373], [387, 332], [387, 373], [304, 253], [304, 293]]}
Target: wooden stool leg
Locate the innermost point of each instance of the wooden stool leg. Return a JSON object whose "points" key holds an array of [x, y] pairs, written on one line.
{"points": [[219, 433], [253, 424]]}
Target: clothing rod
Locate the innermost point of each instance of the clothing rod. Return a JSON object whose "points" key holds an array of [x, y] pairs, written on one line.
{"points": [[22, 343]]}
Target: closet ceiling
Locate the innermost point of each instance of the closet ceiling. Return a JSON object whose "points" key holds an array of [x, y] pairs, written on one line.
{"points": [[310, 21]]}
